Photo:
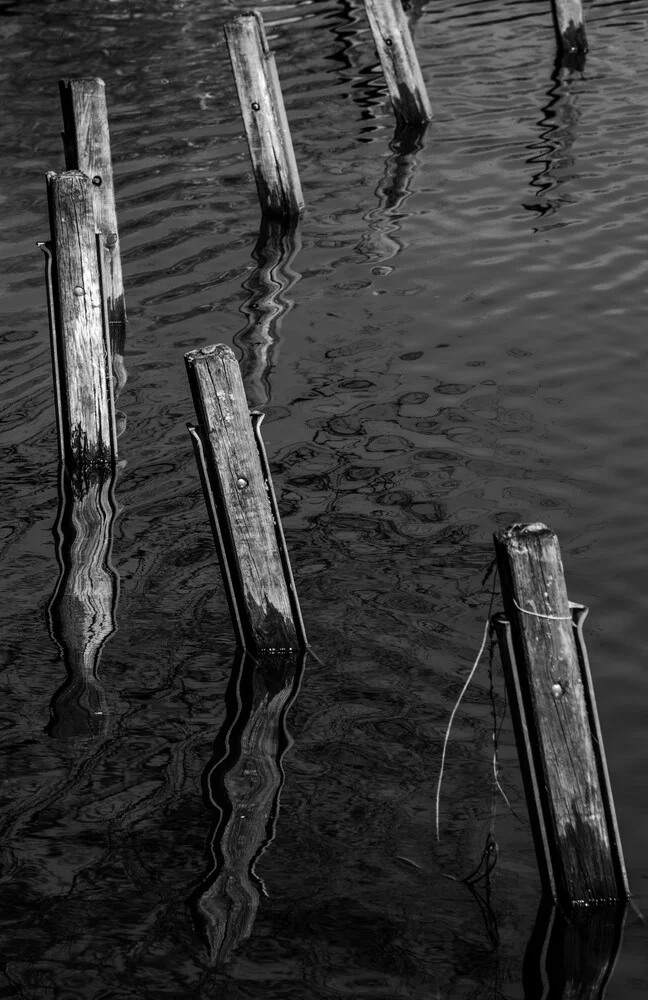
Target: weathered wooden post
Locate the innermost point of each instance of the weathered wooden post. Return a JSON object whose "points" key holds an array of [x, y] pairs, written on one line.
{"points": [[570, 25], [557, 730], [267, 304], [86, 142], [399, 62], [242, 506], [264, 116], [241, 787], [82, 608]]}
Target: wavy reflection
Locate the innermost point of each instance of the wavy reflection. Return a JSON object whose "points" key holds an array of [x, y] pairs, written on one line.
{"points": [[381, 242], [572, 954], [83, 607], [552, 156], [268, 302], [241, 787]]}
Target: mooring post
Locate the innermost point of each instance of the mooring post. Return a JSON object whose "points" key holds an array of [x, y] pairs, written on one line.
{"points": [[82, 353], [557, 730], [82, 610], [242, 506], [264, 116], [570, 25], [400, 65], [86, 142]]}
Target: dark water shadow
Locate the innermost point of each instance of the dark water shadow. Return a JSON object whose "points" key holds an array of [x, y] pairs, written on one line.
{"points": [[557, 129], [572, 954], [241, 787], [267, 303], [381, 241]]}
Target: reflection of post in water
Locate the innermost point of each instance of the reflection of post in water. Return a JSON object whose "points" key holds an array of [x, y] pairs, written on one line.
{"points": [[241, 786], [267, 304], [83, 606], [551, 154], [573, 953], [82, 609], [380, 243]]}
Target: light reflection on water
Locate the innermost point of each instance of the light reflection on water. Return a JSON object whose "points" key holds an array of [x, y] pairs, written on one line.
{"points": [[461, 343]]}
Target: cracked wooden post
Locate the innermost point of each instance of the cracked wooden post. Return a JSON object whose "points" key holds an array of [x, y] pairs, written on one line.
{"points": [[264, 116], [86, 141], [82, 610], [82, 352], [557, 729], [242, 506], [570, 25], [399, 62]]}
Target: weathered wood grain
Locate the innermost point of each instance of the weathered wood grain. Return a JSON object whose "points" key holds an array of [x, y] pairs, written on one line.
{"points": [[399, 62], [264, 116], [568, 780], [82, 353], [86, 141], [570, 25], [245, 519]]}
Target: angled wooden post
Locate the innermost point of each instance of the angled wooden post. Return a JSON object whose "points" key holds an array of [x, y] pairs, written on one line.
{"points": [[557, 729], [399, 62], [86, 141], [264, 116], [242, 506], [570, 25]]}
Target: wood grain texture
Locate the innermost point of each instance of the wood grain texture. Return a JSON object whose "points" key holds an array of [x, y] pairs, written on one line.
{"points": [[537, 607], [86, 140], [82, 354], [264, 116], [399, 62], [570, 25], [246, 521]]}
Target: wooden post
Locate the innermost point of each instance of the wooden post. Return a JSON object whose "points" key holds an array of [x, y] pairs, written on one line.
{"points": [[570, 25], [82, 610], [242, 784], [81, 353], [554, 712], [242, 507], [264, 116], [86, 142], [399, 63]]}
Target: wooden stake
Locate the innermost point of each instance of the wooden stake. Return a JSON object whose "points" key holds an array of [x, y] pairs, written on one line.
{"points": [[570, 25], [264, 116], [82, 351], [86, 141], [559, 742], [242, 507], [399, 63]]}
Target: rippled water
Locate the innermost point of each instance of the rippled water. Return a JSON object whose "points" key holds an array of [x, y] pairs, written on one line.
{"points": [[459, 344]]}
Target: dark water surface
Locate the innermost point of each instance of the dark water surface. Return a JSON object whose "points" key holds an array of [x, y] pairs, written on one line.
{"points": [[461, 344]]}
